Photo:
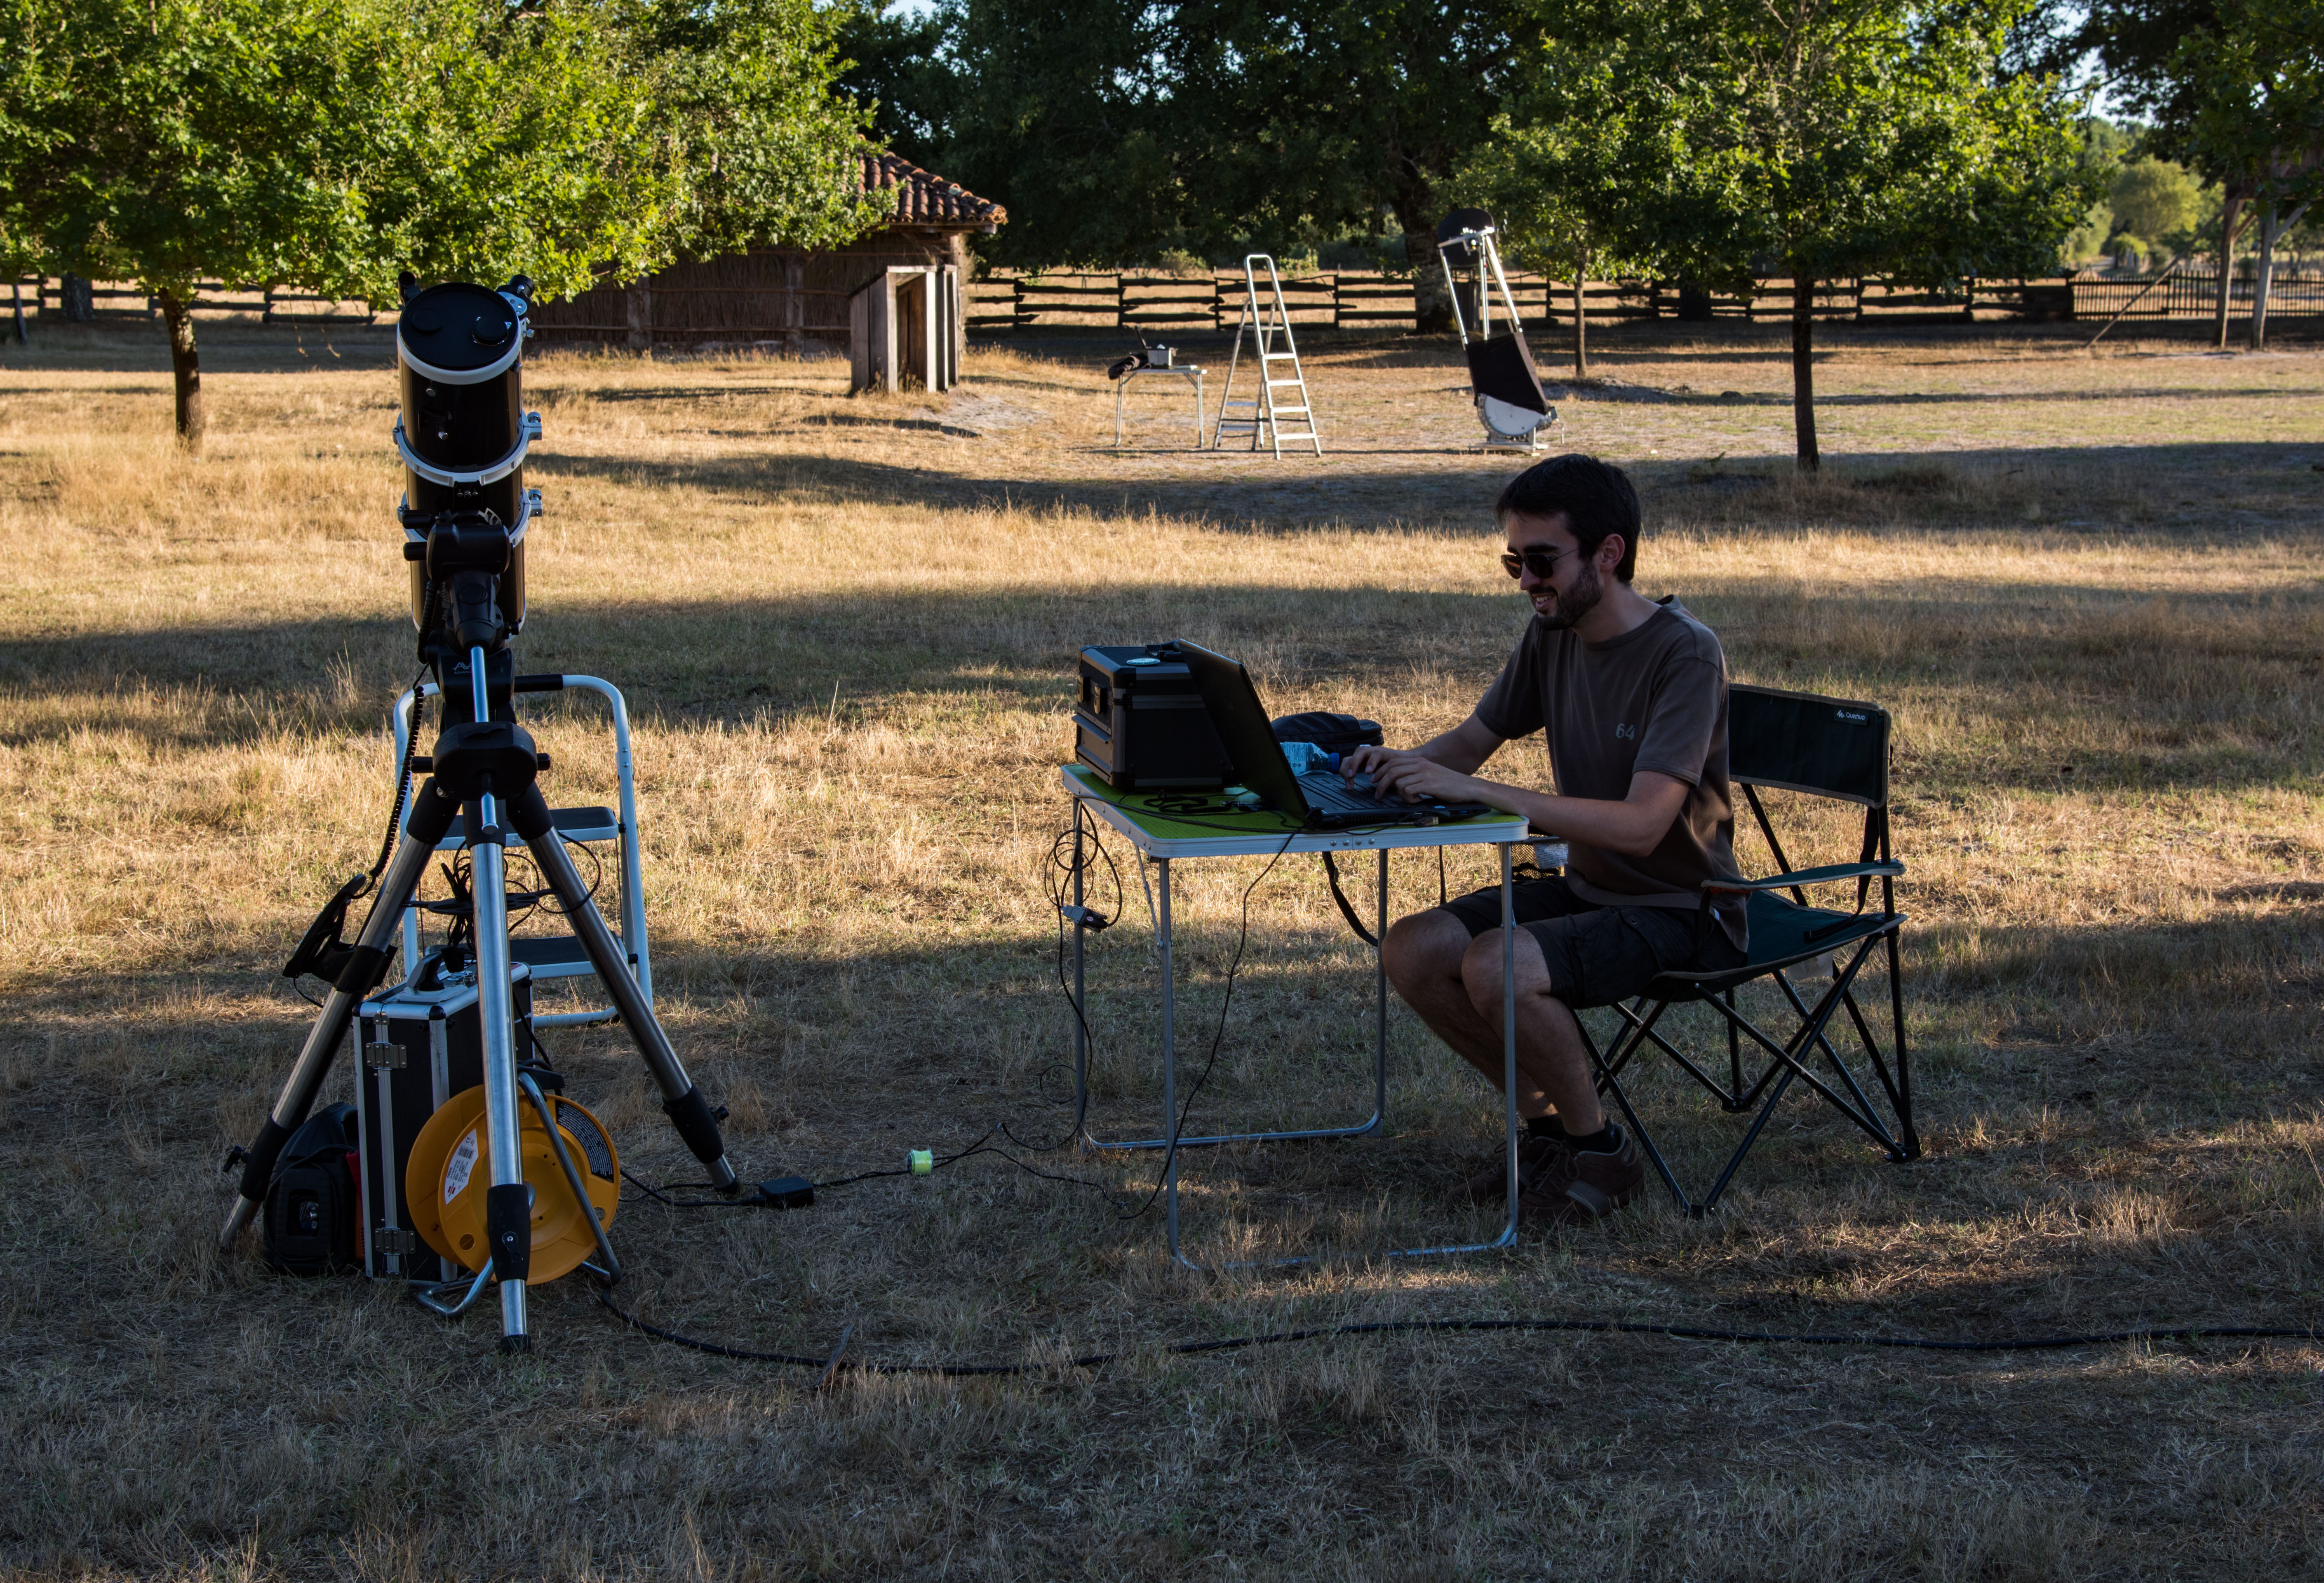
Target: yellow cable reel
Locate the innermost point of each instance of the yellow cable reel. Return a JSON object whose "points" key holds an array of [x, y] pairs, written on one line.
{"points": [[451, 1165]]}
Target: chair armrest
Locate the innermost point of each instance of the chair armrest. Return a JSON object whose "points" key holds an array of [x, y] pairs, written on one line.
{"points": [[1807, 876]]}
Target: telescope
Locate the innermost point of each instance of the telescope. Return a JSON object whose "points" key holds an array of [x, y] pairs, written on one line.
{"points": [[1503, 382], [463, 434]]}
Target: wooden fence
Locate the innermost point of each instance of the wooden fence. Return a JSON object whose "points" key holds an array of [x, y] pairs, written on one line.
{"points": [[1351, 300], [2193, 294], [111, 302]]}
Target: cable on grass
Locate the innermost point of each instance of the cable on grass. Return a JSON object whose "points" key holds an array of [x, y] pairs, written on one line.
{"points": [[1179, 1127], [1067, 864], [2192, 1335], [982, 1146]]}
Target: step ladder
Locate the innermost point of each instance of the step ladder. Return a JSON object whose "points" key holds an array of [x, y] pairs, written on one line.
{"points": [[560, 956], [1269, 322]]}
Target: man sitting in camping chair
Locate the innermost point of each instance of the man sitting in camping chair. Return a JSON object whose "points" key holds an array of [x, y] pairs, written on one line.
{"points": [[1633, 694]]}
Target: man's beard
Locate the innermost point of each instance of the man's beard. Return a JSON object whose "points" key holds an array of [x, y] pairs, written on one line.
{"points": [[1573, 603]]}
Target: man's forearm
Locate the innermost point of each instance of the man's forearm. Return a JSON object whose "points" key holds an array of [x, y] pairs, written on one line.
{"points": [[1463, 748], [1445, 768], [1634, 827], [1583, 819]]}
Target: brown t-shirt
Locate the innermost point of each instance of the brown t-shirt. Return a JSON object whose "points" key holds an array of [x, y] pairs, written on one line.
{"points": [[1653, 698]]}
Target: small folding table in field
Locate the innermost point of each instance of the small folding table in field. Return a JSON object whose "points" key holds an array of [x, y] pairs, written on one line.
{"points": [[1191, 372], [1165, 838]]}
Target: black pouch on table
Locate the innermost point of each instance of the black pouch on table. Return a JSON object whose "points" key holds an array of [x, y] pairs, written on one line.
{"points": [[1334, 733]]}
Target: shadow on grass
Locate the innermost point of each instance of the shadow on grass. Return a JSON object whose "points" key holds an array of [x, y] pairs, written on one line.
{"points": [[133, 347], [1305, 494], [2128, 659]]}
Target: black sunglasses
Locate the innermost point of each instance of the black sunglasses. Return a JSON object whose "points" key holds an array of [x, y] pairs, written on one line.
{"points": [[1541, 563]]}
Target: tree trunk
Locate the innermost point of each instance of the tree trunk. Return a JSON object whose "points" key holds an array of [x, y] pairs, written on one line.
{"points": [[2272, 224], [795, 305], [2264, 278], [1431, 305], [1581, 324], [1804, 372], [186, 370], [2230, 212], [637, 303]]}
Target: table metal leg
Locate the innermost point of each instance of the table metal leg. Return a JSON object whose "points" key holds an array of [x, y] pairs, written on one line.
{"points": [[1380, 969], [1508, 1234], [1509, 1030], [1081, 985], [1198, 418], [1169, 1062], [1120, 385], [1363, 1129]]}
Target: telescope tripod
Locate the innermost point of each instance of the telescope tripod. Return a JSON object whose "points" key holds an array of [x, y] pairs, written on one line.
{"points": [[488, 767]]}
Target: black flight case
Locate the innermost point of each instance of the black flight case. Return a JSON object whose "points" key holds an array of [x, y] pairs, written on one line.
{"points": [[421, 1042], [1141, 724]]}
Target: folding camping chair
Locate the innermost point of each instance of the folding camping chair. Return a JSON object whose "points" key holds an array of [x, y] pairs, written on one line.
{"points": [[1827, 748]]}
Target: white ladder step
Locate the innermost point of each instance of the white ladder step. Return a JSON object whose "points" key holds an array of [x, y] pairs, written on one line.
{"points": [[1263, 416]]}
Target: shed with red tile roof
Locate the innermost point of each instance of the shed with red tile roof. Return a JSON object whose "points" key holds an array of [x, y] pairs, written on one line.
{"points": [[787, 298]]}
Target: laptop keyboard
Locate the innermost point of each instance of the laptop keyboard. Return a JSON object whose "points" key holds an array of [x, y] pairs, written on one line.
{"points": [[1328, 791]]}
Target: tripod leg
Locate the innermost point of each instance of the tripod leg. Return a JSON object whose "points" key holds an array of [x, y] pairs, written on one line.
{"points": [[432, 816], [687, 1111], [508, 1202]]}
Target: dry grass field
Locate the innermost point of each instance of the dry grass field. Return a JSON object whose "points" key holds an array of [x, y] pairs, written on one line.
{"points": [[2086, 585]]}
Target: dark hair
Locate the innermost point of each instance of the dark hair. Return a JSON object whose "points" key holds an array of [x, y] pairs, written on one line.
{"points": [[1595, 497]]}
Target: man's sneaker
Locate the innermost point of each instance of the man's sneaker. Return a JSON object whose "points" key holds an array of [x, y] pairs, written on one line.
{"points": [[1595, 1183], [1539, 1159]]}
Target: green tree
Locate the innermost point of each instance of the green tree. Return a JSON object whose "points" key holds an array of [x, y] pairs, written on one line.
{"points": [[1061, 113], [1116, 130], [516, 141], [2193, 69], [2104, 147], [1314, 117], [170, 142], [1563, 199], [1818, 140], [2153, 199], [895, 68], [2253, 101], [759, 139], [326, 146]]}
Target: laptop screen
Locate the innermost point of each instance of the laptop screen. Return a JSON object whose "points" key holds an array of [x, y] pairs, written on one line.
{"points": [[1244, 730]]}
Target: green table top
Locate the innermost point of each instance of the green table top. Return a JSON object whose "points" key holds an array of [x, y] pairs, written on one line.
{"points": [[1262, 831]]}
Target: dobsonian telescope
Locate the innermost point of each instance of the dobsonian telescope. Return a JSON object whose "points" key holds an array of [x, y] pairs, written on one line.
{"points": [[1502, 379], [463, 434]]}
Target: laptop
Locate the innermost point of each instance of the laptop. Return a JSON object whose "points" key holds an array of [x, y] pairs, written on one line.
{"points": [[1320, 799]]}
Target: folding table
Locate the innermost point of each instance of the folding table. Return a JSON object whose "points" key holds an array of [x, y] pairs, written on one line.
{"points": [[1164, 838], [1191, 372]]}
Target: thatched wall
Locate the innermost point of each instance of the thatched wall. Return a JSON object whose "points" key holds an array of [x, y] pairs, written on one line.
{"points": [[796, 300]]}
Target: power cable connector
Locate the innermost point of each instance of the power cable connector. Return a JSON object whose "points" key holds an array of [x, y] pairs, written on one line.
{"points": [[786, 1193], [1085, 917]]}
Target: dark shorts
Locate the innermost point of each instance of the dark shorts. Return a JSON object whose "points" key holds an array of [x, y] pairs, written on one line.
{"points": [[1598, 955]]}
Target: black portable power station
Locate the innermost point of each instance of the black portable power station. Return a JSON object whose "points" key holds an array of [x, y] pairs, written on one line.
{"points": [[1140, 724]]}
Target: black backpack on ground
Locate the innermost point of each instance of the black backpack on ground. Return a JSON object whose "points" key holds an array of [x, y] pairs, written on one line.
{"points": [[313, 1205]]}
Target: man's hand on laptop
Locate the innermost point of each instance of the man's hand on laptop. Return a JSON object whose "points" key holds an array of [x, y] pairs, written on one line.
{"points": [[1409, 775]]}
